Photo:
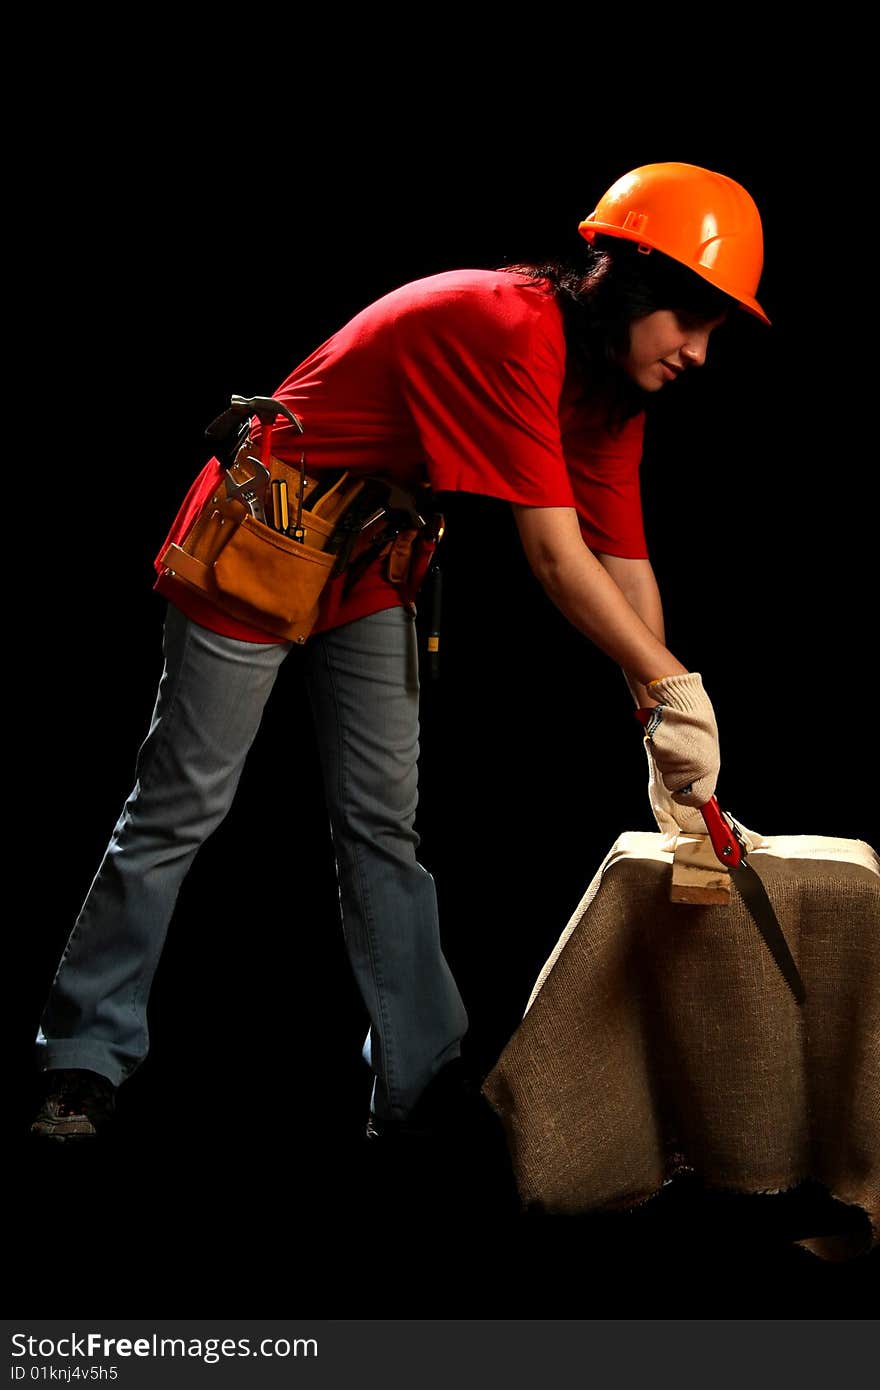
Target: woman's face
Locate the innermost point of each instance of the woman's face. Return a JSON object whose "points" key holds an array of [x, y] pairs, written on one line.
{"points": [[665, 344]]}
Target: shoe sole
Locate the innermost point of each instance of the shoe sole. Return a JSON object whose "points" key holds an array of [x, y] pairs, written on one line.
{"points": [[74, 1128]]}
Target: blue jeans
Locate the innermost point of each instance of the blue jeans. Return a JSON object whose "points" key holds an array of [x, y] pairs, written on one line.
{"points": [[363, 687]]}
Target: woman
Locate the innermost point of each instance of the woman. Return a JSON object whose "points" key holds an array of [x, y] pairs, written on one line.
{"points": [[527, 384]]}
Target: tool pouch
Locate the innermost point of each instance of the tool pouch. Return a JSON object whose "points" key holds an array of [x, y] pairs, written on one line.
{"points": [[254, 573]]}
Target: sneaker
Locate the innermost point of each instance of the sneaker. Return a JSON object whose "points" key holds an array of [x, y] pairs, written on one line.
{"points": [[451, 1103], [375, 1129], [451, 1145], [77, 1105]]}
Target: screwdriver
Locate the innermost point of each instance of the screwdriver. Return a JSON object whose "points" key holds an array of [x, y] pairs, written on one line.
{"points": [[280, 508], [434, 632]]}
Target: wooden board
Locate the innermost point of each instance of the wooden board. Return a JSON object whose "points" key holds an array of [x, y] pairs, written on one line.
{"points": [[698, 876]]}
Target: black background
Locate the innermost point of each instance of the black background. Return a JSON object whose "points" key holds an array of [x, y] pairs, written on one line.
{"points": [[200, 246]]}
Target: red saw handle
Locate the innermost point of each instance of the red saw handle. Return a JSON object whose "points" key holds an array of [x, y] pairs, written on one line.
{"points": [[724, 841]]}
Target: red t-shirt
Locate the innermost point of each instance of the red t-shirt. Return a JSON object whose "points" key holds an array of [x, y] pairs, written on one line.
{"points": [[459, 380]]}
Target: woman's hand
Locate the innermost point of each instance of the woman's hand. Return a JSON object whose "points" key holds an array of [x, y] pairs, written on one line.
{"points": [[683, 736]]}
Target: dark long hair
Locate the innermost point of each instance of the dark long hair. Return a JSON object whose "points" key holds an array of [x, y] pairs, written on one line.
{"points": [[601, 287]]}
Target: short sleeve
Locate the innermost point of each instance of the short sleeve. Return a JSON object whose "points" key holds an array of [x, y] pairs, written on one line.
{"points": [[481, 375], [603, 466]]}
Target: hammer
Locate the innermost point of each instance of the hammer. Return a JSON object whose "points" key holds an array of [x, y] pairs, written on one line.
{"points": [[239, 412]]}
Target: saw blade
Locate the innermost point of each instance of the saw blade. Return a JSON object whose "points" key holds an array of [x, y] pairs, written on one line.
{"points": [[754, 895]]}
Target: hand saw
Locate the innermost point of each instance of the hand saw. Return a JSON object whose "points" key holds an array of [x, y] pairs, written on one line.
{"points": [[731, 849]]}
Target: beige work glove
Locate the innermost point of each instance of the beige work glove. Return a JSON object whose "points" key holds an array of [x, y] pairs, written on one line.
{"points": [[684, 738], [673, 819]]}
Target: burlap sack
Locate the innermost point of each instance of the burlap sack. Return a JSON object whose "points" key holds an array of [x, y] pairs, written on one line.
{"points": [[661, 1038]]}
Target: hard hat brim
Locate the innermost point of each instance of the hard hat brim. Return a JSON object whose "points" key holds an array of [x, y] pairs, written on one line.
{"points": [[590, 228]]}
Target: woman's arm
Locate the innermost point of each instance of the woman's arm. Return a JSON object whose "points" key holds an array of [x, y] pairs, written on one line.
{"points": [[626, 624], [635, 580], [684, 739]]}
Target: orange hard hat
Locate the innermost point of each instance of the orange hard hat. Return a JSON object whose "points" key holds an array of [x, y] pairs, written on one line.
{"points": [[703, 220]]}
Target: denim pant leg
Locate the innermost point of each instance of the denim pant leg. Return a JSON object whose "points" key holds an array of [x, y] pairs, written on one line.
{"points": [[208, 709], [363, 687]]}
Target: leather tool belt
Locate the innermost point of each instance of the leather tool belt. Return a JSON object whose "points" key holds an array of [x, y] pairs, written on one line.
{"points": [[340, 522]]}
